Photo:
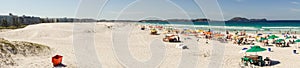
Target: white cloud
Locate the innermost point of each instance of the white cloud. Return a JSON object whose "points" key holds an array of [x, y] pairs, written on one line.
{"points": [[296, 3]]}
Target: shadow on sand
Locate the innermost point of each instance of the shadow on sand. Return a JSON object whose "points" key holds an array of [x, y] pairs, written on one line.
{"points": [[274, 63]]}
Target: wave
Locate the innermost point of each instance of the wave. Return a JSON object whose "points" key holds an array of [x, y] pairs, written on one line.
{"points": [[281, 27], [225, 27], [208, 26]]}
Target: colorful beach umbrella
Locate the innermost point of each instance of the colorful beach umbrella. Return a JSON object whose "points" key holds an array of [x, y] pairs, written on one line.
{"points": [[256, 49]]}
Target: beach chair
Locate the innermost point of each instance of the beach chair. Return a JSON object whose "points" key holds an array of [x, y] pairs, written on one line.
{"points": [[246, 61]]}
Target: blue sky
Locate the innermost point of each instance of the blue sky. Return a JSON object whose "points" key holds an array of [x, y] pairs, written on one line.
{"points": [[161, 9]]}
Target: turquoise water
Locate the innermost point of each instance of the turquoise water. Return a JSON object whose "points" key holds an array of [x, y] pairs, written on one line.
{"points": [[282, 26]]}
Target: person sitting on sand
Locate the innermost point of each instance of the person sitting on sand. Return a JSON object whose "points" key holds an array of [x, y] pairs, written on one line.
{"points": [[227, 32], [267, 61]]}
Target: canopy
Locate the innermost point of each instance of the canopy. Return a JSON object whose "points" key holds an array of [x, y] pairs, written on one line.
{"points": [[256, 49], [279, 40], [298, 40], [273, 37]]}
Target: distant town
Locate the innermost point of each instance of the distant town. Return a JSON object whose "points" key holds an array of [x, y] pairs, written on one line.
{"points": [[14, 20]]}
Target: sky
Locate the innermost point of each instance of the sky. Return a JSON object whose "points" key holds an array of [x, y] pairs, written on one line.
{"points": [[152, 9]]}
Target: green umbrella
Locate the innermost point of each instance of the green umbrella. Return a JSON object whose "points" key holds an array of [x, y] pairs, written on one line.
{"points": [[261, 39], [279, 40], [298, 40], [256, 49], [273, 37]]}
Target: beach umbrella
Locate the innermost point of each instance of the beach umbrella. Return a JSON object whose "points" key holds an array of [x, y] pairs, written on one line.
{"points": [[298, 40], [279, 40], [256, 49], [261, 39], [273, 37]]}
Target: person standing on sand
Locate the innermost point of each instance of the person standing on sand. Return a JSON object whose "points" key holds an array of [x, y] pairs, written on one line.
{"points": [[206, 41], [227, 32]]}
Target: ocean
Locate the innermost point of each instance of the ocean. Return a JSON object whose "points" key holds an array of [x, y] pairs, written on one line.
{"points": [[233, 26]]}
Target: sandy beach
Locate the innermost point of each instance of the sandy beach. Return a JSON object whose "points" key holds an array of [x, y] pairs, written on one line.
{"points": [[60, 38]]}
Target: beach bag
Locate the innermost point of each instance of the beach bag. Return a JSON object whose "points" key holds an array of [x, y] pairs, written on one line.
{"points": [[56, 60]]}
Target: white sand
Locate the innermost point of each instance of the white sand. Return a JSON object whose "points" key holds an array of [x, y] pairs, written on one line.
{"points": [[59, 36]]}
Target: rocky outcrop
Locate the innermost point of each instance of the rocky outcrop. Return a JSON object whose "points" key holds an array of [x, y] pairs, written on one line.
{"points": [[9, 50], [241, 19]]}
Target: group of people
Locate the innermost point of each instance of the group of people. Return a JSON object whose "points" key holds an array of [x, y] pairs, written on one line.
{"points": [[256, 60]]}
